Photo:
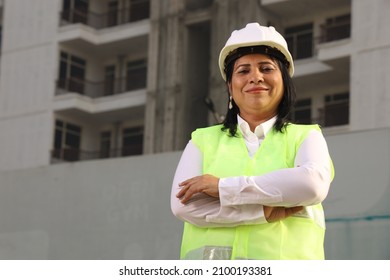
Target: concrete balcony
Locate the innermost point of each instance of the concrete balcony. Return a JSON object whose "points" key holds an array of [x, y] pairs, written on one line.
{"points": [[103, 109], [105, 18], [126, 38], [295, 8], [334, 50], [316, 74]]}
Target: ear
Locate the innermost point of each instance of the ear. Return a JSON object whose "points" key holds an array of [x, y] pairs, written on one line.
{"points": [[229, 84]]}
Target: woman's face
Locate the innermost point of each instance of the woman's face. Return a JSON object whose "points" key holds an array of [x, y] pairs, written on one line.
{"points": [[256, 86]]}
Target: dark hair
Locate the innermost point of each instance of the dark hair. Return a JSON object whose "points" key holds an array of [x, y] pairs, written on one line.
{"points": [[285, 105]]}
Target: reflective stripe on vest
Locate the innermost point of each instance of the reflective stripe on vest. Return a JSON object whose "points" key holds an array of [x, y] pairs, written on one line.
{"points": [[298, 237]]}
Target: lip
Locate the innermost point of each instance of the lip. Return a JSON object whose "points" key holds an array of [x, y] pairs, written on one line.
{"points": [[257, 89]]}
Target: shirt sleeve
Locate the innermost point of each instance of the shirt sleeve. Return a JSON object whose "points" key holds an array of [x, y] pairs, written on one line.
{"points": [[307, 183], [203, 210]]}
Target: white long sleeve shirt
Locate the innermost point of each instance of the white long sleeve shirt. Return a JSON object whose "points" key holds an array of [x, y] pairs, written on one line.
{"points": [[241, 198]]}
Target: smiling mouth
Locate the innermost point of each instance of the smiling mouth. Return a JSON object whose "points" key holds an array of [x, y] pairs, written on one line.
{"points": [[258, 89]]}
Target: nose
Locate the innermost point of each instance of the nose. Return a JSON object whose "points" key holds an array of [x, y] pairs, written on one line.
{"points": [[256, 77]]}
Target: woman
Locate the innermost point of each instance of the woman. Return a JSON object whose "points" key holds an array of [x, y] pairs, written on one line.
{"points": [[252, 187]]}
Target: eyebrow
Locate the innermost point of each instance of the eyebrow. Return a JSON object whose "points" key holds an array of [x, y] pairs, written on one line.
{"points": [[260, 63]]}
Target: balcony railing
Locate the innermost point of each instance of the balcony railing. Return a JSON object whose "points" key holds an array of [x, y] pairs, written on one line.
{"points": [[72, 154], [139, 10], [331, 115], [336, 114], [99, 89], [335, 31], [301, 44]]}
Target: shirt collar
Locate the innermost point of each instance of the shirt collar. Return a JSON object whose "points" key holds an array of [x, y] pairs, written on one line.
{"points": [[260, 131]]}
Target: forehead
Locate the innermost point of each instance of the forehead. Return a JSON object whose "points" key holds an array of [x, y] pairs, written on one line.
{"points": [[254, 58]]}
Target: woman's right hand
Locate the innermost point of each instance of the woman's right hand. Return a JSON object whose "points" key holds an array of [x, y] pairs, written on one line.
{"points": [[273, 214]]}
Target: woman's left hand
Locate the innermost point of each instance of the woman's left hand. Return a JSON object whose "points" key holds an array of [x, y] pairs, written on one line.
{"points": [[207, 184], [277, 213]]}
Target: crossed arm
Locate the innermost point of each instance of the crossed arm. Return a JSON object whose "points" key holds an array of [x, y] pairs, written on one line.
{"points": [[208, 201]]}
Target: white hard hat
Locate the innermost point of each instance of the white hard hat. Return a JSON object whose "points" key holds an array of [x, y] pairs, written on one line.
{"points": [[255, 35]]}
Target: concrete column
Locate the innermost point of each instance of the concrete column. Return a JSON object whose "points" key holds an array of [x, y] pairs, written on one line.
{"points": [[370, 65], [29, 60], [164, 75], [173, 74], [152, 82], [221, 28]]}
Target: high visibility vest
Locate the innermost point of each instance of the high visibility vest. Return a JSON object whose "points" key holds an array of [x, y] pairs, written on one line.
{"points": [[297, 237]]}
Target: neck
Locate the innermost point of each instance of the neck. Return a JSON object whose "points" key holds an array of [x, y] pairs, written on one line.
{"points": [[254, 120]]}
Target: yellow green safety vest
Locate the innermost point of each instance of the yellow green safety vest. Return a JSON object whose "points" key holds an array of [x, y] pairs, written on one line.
{"points": [[297, 237]]}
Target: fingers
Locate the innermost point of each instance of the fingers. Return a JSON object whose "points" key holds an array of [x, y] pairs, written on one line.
{"points": [[187, 194], [188, 181], [273, 214], [207, 184], [296, 208], [188, 189], [182, 191], [292, 210]]}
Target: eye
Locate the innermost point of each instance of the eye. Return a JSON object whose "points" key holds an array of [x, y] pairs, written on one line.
{"points": [[243, 71], [266, 69]]}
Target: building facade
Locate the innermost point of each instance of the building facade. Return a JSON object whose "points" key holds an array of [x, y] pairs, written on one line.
{"points": [[86, 82]]}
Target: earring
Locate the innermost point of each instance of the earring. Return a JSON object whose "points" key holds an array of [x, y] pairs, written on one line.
{"points": [[230, 103]]}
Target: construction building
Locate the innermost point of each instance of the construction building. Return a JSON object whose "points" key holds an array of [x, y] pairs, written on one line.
{"points": [[99, 97]]}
